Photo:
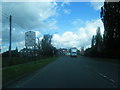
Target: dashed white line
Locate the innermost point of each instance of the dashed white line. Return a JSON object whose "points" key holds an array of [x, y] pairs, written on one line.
{"points": [[106, 77], [113, 82]]}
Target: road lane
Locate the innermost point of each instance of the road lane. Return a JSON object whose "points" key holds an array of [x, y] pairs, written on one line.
{"points": [[67, 72], [106, 68]]}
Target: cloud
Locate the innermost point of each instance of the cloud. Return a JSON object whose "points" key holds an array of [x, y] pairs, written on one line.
{"points": [[4, 48], [52, 24], [67, 11], [65, 2], [29, 15], [93, 24], [17, 35], [79, 39], [20, 45], [55, 3], [77, 22], [66, 40], [97, 5]]}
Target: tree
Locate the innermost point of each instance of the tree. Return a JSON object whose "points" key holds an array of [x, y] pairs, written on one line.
{"points": [[16, 49], [97, 41], [93, 41], [39, 47], [110, 15], [14, 53], [98, 37], [47, 48]]}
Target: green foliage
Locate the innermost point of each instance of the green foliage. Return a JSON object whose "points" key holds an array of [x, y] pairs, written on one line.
{"points": [[109, 46], [44, 49], [14, 53], [6, 61], [93, 41], [98, 37], [13, 72], [47, 48], [110, 15], [96, 43]]}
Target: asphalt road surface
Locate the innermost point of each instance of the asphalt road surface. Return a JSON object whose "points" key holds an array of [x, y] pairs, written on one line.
{"points": [[67, 72]]}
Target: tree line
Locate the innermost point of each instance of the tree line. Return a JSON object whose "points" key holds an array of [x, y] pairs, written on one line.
{"points": [[42, 48], [107, 45]]}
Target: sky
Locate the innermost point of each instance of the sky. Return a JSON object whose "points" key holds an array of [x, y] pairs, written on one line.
{"points": [[72, 24]]}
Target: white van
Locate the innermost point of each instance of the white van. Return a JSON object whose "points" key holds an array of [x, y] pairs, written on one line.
{"points": [[73, 52]]}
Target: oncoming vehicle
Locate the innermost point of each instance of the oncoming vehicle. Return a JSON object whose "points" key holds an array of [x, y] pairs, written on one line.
{"points": [[73, 52]]}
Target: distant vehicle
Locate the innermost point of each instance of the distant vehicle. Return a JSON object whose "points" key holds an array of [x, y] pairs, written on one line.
{"points": [[73, 52]]}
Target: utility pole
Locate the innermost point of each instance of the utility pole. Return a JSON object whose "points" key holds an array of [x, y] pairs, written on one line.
{"points": [[10, 37]]}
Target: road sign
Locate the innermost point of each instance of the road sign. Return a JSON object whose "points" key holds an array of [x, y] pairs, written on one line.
{"points": [[30, 38]]}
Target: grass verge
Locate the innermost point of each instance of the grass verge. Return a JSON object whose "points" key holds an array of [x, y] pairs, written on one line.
{"points": [[15, 71]]}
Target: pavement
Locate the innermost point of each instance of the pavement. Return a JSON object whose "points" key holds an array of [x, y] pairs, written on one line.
{"points": [[72, 72]]}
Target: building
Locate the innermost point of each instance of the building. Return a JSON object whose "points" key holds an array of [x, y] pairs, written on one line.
{"points": [[29, 52], [82, 51]]}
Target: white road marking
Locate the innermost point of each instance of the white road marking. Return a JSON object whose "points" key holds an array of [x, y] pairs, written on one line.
{"points": [[113, 82]]}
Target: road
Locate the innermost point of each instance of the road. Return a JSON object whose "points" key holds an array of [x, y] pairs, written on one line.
{"points": [[67, 72]]}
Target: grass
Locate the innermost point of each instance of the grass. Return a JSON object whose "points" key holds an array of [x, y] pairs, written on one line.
{"points": [[14, 61], [13, 72]]}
